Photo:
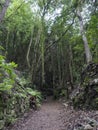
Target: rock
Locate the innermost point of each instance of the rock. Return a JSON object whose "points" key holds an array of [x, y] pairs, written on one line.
{"points": [[2, 123], [88, 127], [78, 127], [65, 105], [92, 122], [96, 81], [96, 112], [87, 96]]}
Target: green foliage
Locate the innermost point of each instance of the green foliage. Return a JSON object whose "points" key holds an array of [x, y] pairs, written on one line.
{"points": [[63, 93], [36, 94], [7, 74], [22, 81], [1, 48], [96, 103], [32, 92], [17, 99], [40, 28]]}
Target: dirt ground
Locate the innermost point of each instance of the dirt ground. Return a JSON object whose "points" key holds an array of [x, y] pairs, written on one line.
{"points": [[48, 117], [54, 116]]}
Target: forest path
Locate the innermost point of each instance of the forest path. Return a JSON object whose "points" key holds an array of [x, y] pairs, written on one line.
{"points": [[48, 117], [54, 115]]}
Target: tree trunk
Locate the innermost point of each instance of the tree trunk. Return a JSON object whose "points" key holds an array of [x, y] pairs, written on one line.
{"points": [[4, 9], [86, 46], [70, 67], [28, 51]]}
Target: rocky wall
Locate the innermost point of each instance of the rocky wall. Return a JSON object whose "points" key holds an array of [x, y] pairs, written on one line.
{"points": [[87, 93]]}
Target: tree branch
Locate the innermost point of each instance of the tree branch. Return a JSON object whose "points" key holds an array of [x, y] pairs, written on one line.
{"points": [[63, 34], [15, 10]]}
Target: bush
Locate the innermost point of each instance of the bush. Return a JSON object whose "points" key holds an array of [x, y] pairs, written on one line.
{"points": [[7, 75], [35, 97], [14, 96]]}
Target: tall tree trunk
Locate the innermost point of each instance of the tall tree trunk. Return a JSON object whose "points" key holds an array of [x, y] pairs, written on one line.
{"points": [[86, 46], [59, 63], [43, 61], [4, 9], [43, 50], [70, 67], [28, 51]]}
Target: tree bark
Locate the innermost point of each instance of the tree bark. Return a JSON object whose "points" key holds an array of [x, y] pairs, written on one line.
{"points": [[28, 51], [86, 46], [4, 9]]}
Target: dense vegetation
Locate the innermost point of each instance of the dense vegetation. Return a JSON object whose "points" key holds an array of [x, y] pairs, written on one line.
{"points": [[53, 43]]}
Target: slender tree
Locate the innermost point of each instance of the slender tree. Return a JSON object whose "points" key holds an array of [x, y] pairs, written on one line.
{"points": [[86, 46], [4, 9]]}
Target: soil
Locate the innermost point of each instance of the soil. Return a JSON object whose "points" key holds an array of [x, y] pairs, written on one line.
{"points": [[54, 115]]}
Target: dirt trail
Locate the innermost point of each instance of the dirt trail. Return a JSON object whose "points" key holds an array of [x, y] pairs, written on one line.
{"points": [[47, 118], [55, 116]]}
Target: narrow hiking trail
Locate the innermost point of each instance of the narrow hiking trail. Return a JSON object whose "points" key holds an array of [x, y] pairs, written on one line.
{"points": [[54, 116], [47, 118]]}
